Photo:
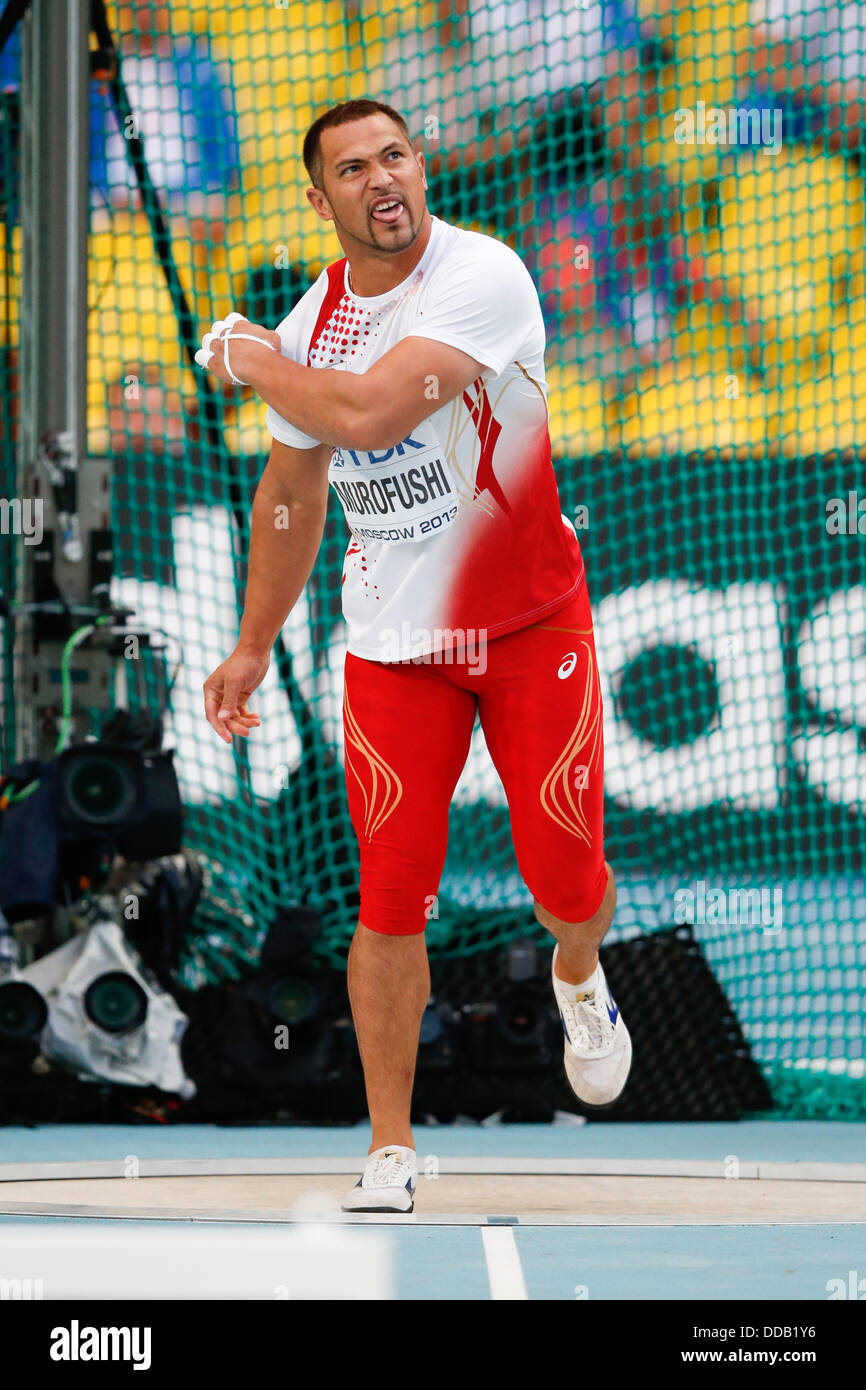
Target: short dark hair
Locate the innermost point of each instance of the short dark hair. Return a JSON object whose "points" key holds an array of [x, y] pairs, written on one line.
{"points": [[341, 115]]}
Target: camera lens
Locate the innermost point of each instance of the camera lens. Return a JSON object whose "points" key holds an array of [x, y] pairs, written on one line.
{"points": [[519, 1019], [115, 1002], [23, 1011], [98, 789], [292, 999]]}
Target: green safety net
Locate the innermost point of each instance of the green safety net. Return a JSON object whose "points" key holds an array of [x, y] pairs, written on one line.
{"points": [[686, 186]]}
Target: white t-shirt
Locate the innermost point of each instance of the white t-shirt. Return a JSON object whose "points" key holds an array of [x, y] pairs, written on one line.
{"points": [[457, 529]]}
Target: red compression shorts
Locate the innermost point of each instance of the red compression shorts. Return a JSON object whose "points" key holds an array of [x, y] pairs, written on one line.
{"points": [[408, 726]]}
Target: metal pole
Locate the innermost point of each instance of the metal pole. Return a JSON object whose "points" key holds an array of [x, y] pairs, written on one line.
{"points": [[54, 207], [77, 225], [55, 126]]}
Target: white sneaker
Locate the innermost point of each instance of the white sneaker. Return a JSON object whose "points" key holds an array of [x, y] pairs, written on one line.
{"points": [[597, 1042], [388, 1183]]}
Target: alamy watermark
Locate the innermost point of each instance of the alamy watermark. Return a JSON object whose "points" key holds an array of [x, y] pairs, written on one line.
{"points": [[22, 516], [846, 516], [733, 125], [734, 907], [439, 646], [99, 1343], [854, 1287], [21, 1290]]}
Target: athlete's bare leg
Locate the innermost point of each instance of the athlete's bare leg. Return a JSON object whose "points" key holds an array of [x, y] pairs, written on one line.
{"points": [[389, 985], [579, 941]]}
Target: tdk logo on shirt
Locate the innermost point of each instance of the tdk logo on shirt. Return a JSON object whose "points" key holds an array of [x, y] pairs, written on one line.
{"points": [[366, 459]]}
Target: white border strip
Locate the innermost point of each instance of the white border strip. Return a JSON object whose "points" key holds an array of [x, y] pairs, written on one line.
{"points": [[190, 1216], [206, 1262], [513, 1167], [504, 1270]]}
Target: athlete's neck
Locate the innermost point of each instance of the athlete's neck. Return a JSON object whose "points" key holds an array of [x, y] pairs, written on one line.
{"points": [[371, 275]]}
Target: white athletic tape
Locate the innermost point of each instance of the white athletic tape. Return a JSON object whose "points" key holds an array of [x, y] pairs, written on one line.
{"points": [[251, 338], [235, 379], [221, 330]]}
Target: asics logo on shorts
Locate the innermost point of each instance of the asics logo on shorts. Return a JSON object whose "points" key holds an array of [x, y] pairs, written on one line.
{"points": [[567, 665]]}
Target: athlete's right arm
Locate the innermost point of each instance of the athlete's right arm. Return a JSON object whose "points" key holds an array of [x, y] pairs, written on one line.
{"points": [[288, 519]]}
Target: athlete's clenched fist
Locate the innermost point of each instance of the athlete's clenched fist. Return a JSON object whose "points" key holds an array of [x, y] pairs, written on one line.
{"points": [[218, 350]]}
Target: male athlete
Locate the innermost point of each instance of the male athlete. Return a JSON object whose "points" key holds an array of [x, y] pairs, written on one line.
{"points": [[410, 377]]}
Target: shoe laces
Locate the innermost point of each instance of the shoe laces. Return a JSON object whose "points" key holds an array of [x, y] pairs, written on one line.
{"points": [[388, 1170], [589, 1026]]}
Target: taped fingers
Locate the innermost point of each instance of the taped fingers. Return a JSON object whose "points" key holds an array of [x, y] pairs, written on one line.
{"points": [[221, 331], [205, 352]]}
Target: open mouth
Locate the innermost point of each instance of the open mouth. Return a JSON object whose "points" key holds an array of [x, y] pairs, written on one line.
{"points": [[388, 210]]}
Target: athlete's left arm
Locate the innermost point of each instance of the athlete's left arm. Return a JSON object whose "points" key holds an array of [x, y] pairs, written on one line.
{"points": [[356, 410]]}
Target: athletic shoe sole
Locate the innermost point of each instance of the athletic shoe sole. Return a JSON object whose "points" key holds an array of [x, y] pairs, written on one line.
{"points": [[394, 1211], [595, 1105]]}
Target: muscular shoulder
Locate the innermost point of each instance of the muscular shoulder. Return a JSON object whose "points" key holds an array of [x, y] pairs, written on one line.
{"points": [[462, 247]]}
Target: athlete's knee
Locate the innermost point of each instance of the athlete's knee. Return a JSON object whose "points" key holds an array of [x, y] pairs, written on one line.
{"points": [[611, 878], [396, 914], [395, 926], [577, 902]]}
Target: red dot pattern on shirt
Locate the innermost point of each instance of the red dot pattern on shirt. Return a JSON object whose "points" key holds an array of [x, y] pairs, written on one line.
{"points": [[344, 326], [341, 335]]}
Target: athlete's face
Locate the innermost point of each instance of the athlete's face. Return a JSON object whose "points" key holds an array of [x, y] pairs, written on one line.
{"points": [[374, 184]]}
